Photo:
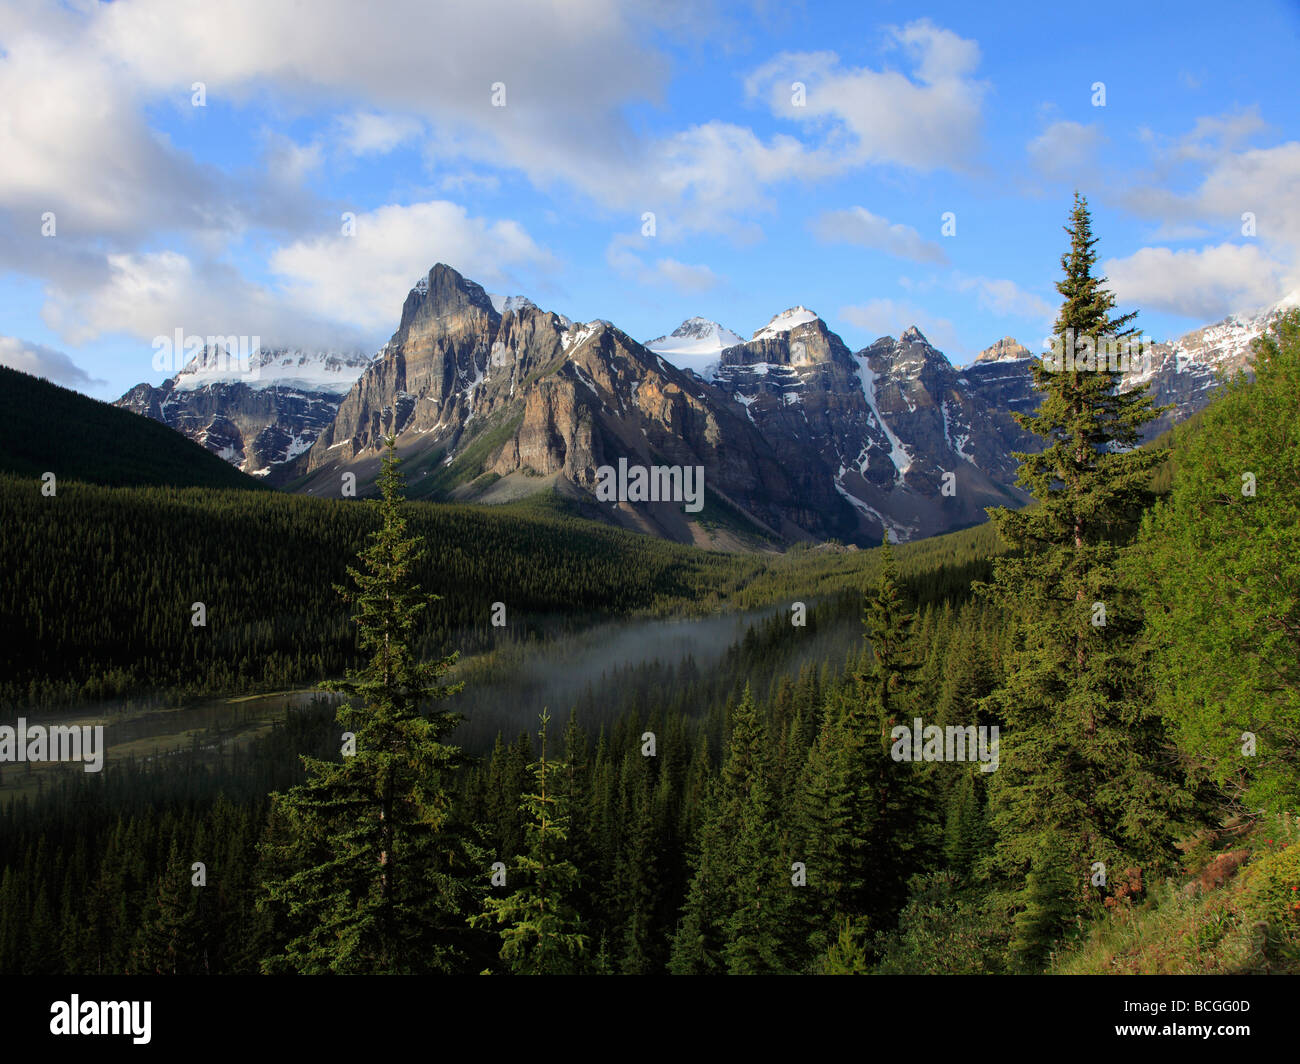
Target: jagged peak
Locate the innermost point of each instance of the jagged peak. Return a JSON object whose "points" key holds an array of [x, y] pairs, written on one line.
{"points": [[700, 329], [1007, 349], [504, 304], [443, 290], [913, 335], [784, 322]]}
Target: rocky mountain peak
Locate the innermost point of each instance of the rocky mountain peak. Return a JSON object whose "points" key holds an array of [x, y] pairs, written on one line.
{"points": [[505, 304], [1006, 349], [785, 321], [913, 335], [696, 344], [443, 293]]}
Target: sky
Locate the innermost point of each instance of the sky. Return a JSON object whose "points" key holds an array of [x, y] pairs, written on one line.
{"points": [[287, 170]]}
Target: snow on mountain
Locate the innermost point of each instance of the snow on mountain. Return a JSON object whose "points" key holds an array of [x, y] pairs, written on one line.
{"points": [[329, 372], [696, 345], [784, 322], [501, 303]]}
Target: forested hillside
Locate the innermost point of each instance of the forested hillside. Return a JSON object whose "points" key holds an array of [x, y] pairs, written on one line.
{"points": [[1068, 741], [100, 586], [48, 429]]}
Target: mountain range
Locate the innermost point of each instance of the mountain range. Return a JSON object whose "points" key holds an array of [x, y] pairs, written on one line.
{"points": [[800, 439]]}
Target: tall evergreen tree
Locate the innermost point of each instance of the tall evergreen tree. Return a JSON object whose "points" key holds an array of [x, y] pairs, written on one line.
{"points": [[865, 817], [1084, 766], [540, 930], [733, 919], [382, 873], [1219, 560]]}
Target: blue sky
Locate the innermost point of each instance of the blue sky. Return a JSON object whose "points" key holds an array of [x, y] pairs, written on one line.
{"points": [[227, 218]]}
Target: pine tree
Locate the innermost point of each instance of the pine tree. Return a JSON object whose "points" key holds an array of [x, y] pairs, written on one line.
{"points": [[1220, 564], [964, 834], [1084, 762], [1046, 913], [540, 932], [865, 818], [848, 953], [381, 882], [900, 817], [733, 916]]}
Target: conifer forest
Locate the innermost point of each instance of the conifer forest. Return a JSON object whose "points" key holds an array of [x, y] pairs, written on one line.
{"points": [[522, 647]]}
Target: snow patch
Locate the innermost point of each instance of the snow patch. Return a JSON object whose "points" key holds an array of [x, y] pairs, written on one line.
{"points": [[785, 321], [897, 452]]}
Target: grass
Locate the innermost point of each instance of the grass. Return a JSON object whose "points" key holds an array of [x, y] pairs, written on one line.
{"points": [[465, 467], [1248, 925]]}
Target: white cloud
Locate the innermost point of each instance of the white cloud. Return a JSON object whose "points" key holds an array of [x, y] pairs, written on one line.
{"points": [[891, 317], [1206, 284], [568, 70], [368, 133], [1243, 194], [940, 54], [1067, 151], [930, 121], [74, 142], [146, 295], [1005, 298], [362, 279], [288, 161], [857, 225], [684, 278], [705, 173], [42, 361]]}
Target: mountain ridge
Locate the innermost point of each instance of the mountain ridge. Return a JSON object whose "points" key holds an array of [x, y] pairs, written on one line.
{"points": [[801, 438]]}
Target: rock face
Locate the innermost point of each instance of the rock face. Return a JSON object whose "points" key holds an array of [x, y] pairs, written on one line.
{"points": [[799, 438], [884, 425], [486, 404], [1183, 373], [258, 416], [1008, 349]]}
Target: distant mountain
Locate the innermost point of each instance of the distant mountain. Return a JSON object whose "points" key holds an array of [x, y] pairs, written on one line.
{"points": [[45, 428], [1181, 373], [494, 405], [799, 438], [885, 425], [1185, 371], [257, 417], [696, 344]]}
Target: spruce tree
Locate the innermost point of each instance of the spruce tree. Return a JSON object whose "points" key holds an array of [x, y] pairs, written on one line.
{"points": [[848, 953], [864, 818], [733, 918], [1085, 770], [539, 927], [1220, 563], [381, 872]]}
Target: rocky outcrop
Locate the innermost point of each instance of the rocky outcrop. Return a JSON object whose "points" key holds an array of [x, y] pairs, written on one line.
{"points": [[474, 394], [259, 416]]}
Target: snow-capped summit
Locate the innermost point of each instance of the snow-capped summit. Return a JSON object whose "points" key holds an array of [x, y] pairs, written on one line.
{"points": [[696, 344], [330, 372], [257, 409], [501, 303], [784, 322]]}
